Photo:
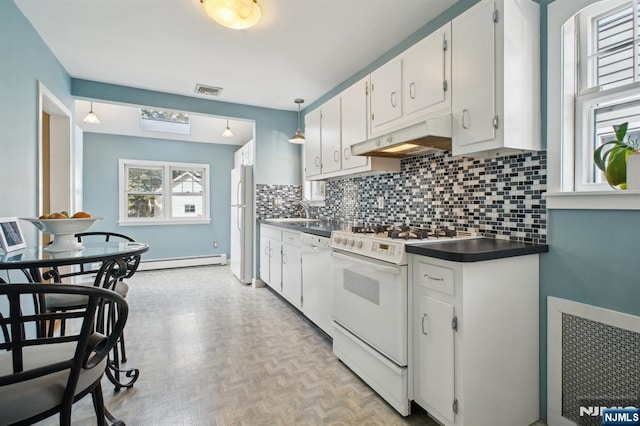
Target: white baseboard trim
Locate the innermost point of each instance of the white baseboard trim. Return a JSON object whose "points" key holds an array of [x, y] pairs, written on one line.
{"points": [[149, 265]]}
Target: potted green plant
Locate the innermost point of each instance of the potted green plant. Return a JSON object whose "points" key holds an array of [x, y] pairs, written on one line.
{"points": [[615, 161]]}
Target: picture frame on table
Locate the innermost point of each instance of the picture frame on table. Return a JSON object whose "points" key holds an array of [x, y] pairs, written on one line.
{"points": [[11, 237]]}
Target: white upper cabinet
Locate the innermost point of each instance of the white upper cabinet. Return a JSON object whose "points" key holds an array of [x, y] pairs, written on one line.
{"points": [[414, 86], [332, 128], [386, 94], [426, 72], [355, 119], [331, 136], [312, 147], [496, 79]]}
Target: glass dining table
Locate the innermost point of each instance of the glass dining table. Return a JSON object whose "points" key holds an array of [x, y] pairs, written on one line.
{"points": [[112, 260]]}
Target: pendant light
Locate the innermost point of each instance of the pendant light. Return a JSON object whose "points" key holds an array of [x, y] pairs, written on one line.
{"points": [[227, 133], [234, 14], [299, 136], [91, 116]]}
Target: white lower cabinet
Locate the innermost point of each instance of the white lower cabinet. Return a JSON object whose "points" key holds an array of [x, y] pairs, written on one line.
{"points": [[271, 257], [474, 340], [292, 268], [281, 262]]}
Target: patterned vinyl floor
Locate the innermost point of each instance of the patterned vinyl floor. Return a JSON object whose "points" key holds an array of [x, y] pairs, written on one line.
{"points": [[214, 352]]}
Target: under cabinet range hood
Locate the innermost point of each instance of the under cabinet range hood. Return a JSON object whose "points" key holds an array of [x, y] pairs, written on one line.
{"points": [[433, 133]]}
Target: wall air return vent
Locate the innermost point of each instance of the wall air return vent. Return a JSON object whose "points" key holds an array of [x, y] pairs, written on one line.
{"points": [[201, 89]]}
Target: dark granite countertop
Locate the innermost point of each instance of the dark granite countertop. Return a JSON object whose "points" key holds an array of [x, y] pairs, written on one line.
{"points": [[321, 228], [475, 249]]}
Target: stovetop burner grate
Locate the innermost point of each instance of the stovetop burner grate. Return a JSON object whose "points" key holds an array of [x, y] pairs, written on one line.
{"points": [[404, 232]]}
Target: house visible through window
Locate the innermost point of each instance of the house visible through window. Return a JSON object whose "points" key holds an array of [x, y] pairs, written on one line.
{"points": [[156, 192], [607, 75]]}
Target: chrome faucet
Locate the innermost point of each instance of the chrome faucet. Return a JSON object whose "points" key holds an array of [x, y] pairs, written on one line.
{"points": [[305, 206]]}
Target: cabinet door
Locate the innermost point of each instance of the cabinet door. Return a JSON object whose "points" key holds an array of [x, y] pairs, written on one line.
{"points": [[354, 122], [313, 138], [434, 355], [275, 265], [292, 274], [330, 135], [473, 66], [265, 259], [386, 102], [426, 69]]}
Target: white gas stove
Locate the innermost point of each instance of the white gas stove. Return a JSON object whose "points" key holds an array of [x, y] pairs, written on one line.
{"points": [[370, 290], [387, 243]]}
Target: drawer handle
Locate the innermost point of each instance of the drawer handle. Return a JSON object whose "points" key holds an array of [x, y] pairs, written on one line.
{"points": [[422, 320], [465, 112], [347, 153], [412, 90], [429, 277]]}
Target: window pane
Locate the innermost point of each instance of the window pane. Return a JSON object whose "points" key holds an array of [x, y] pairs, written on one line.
{"points": [[605, 118], [144, 179], [186, 205], [186, 181], [614, 48], [144, 206]]}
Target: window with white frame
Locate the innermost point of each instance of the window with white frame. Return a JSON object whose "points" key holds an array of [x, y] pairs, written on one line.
{"points": [[605, 59], [154, 193]]}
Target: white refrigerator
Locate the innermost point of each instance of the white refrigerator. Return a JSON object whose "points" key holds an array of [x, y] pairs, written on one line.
{"points": [[241, 256]]}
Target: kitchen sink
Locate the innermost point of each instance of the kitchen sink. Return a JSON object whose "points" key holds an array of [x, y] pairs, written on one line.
{"points": [[291, 219]]}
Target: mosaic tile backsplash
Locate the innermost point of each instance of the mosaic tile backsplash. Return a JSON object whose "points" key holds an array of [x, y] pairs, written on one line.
{"points": [[498, 197]]}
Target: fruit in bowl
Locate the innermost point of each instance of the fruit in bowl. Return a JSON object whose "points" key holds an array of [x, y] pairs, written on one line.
{"points": [[63, 229]]}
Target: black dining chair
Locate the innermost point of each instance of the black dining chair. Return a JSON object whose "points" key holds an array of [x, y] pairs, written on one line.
{"points": [[40, 375], [55, 303]]}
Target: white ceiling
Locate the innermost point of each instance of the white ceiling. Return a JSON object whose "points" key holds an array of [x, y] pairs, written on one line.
{"points": [[125, 120], [300, 48]]}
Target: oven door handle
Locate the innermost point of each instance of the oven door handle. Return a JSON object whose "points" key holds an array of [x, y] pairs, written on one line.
{"points": [[387, 269]]}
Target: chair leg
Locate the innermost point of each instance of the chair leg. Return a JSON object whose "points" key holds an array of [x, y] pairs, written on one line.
{"points": [[65, 416], [98, 404], [123, 352]]}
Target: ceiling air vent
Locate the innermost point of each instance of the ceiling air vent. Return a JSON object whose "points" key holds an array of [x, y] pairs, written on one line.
{"points": [[201, 89]]}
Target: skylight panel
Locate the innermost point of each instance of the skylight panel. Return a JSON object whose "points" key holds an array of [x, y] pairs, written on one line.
{"points": [[158, 120]]}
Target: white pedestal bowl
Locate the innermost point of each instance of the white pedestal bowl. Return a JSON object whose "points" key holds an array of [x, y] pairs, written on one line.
{"points": [[63, 231]]}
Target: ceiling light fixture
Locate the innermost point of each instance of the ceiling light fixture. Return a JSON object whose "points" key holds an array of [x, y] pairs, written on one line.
{"points": [[235, 14], [227, 133], [91, 116], [299, 136]]}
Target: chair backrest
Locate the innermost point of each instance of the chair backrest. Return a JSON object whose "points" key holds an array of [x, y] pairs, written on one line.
{"points": [[131, 262], [25, 354]]}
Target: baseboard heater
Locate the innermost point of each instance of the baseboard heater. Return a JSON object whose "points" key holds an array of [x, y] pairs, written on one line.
{"points": [[181, 262]]}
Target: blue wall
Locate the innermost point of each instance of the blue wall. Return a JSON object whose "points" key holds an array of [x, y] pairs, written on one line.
{"points": [[24, 59], [101, 155]]}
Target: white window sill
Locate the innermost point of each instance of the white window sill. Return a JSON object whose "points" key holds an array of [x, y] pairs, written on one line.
{"points": [[163, 222], [594, 200]]}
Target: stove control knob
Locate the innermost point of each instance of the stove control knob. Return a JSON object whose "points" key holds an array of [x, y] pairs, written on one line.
{"points": [[343, 241], [359, 244], [351, 242]]}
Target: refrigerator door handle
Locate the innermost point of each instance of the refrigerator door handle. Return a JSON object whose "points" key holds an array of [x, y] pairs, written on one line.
{"points": [[239, 201], [238, 210]]}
